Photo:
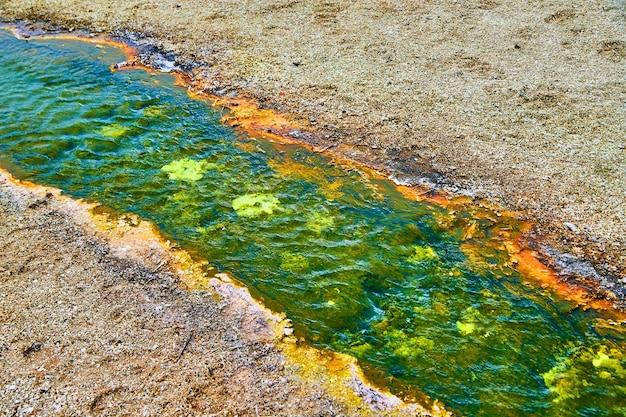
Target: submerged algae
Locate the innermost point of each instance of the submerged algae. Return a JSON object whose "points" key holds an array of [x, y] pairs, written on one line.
{"points": [[156, 111], [422, 253], [406, 346], [255, 205], [318, 222], [294, 262], [186, 169], [610, 359], [466, 328], [581, 369], [469, 319], [114, 130]]}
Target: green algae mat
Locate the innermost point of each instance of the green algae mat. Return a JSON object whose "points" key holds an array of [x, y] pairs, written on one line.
{"points": [[359, 268]]}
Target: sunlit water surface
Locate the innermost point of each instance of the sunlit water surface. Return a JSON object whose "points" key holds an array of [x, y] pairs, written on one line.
{"points": [[359, 268]]}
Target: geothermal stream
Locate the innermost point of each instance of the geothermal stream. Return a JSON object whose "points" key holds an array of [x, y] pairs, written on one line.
{"points": [[434, 296]]}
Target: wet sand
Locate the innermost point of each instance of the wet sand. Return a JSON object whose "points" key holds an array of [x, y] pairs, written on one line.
{"points": [[520, 104]]}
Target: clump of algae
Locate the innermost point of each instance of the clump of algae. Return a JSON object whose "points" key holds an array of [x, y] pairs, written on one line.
{"points": [[609, 360], [254, 205], [294, 262], [155, 111], [408, 347], [114, 130], [465, 328], [467, 324], [584, 370], [422, 253], [186, 169], [318, 222]]}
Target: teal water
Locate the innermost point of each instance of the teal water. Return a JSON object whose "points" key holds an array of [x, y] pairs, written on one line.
{"points": [[358, 268]]}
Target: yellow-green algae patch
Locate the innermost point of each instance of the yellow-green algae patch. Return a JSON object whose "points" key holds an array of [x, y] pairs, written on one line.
{"points": [[114, 130], [466, 328], [255, 205], [186, 169], [467, 324], [294, 262], [156, 111], [423, 253], [406, 346], [582, 369], [609, 359], [318, 222]]}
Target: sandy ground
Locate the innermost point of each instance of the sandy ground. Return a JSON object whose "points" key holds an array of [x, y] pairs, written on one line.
{"points": [[519, 102], [91, 327]]}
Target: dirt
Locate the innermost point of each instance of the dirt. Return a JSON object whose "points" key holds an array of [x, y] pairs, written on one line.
{"points": [[94, 324]]}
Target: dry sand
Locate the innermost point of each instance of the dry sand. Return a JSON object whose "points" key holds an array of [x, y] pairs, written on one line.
{"points": [[519, 102]]}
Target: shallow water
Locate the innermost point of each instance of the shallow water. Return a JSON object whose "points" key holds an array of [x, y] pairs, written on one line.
{"points": [[427, 298]]}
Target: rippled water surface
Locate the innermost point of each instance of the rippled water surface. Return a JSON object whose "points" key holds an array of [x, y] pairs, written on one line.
{"points": [[427, 298]]}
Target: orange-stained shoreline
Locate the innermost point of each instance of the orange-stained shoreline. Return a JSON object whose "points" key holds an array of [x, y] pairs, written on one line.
{"points": [[248, 116]]}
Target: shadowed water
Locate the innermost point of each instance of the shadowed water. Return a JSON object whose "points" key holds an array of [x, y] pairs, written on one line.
{"points": [[427, 298]]}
